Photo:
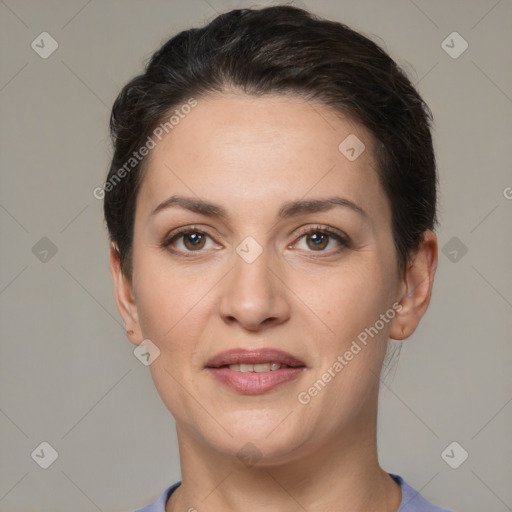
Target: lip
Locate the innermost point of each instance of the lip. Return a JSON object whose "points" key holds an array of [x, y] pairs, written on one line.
{"points": [[254, 383], [254, 356]]}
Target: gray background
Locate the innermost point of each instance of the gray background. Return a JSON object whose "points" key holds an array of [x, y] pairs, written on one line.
{"points": [[69, 376]]}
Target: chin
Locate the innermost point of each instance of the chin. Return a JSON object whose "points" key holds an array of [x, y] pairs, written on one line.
{"points": [[267, 441]]}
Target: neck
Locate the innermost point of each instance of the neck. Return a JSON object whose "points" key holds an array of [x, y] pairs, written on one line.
{"points": [[341, 474]]}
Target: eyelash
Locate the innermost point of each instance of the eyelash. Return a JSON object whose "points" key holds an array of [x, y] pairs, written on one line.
{"points": [[342, 240]]}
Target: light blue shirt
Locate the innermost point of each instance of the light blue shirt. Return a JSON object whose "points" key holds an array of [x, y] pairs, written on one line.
{"points": [[412, 500]]}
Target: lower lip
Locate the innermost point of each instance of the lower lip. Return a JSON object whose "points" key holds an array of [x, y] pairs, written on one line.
{"points": [[254, 383]]}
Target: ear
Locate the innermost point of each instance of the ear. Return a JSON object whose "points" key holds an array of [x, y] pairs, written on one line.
{"points": [[125, 298], [415, 290]]}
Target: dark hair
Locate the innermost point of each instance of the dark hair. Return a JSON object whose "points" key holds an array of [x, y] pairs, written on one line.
{"points": [[281, 50]]}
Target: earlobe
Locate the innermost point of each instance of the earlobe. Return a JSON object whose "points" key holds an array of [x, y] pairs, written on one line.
{"points": [[124, 297], [416, 288]]}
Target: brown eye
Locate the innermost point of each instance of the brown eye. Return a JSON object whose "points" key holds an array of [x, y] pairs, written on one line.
{"points": [[322, 240], [193, 241], [188, 240]]}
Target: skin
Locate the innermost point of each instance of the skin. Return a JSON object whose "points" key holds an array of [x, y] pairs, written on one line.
{"points": [[250, 156]]}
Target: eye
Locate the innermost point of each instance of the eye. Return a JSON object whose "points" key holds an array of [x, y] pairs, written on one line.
{"points": [[318, 238], [187, 240]]}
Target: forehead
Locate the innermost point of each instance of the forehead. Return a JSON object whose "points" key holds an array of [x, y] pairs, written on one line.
{"points": [[262, 149], [288, 122]]}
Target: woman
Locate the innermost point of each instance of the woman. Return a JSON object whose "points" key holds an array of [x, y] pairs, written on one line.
{"points": [[271, 204]]}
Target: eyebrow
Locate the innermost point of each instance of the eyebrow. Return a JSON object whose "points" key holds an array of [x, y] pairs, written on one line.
{"points": [[288, 210]]}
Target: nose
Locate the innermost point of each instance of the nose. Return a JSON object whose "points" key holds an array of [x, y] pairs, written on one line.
{"points": [[254, 295]]}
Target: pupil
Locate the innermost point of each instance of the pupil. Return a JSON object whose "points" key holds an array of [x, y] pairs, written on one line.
{"points": [[318, 240], [193, 240]]}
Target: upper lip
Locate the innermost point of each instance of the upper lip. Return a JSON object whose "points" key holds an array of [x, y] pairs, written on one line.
{"points": [[253, 356]]}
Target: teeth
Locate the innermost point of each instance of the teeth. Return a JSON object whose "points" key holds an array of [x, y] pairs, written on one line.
{"points": [[258, 368]]}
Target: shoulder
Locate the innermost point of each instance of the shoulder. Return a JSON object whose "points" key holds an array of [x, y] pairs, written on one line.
{"points": [[412, 500], [159, 504]]}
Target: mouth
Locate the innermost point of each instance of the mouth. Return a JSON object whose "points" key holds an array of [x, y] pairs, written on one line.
{"points": [[257, 368], [261, 360], [253, 372]]}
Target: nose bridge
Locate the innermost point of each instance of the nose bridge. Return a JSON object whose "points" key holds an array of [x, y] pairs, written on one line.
{"points": [[252, 296]]}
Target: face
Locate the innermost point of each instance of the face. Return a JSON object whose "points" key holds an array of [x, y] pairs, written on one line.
{"points": [[258, 241]]}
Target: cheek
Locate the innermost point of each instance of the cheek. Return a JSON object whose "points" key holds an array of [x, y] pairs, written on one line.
{"points": [[348, 299], [350, 303], [177, 305], [173, 303], [173, 306]]}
